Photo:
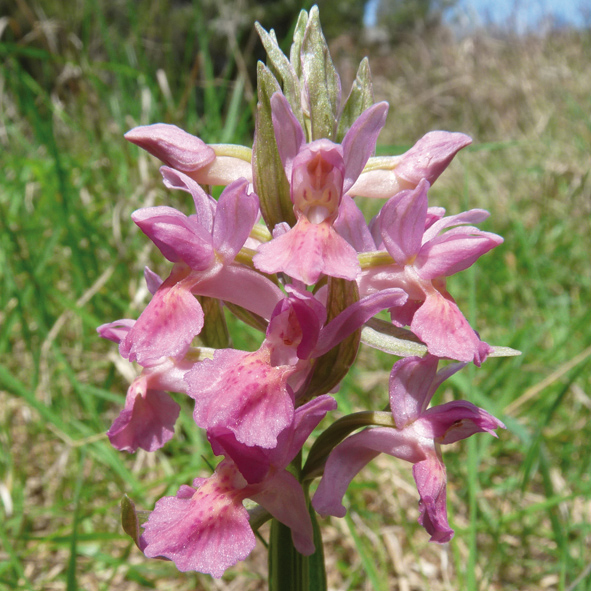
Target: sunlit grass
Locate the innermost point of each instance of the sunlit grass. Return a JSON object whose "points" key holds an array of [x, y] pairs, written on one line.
{"points": [[70, 259]]}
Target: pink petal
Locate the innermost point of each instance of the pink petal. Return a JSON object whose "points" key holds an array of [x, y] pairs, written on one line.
{"points": [[241, 286], [255, 403], [207, 532], [253, 462], [308, 251], [205, 205], [430, 156], [351, 225], [306, 419], [457, 420], [443, 328], [402, 223], [431, 481], [350, 456], [153, 280], [454, 251], [147, 421], [167, 326], [288, 131], [236, 214], [355, 315], [115, 331], [172, 145], [472, 216], [284, 499], [410, 388], [360, 141], [178, 237]]}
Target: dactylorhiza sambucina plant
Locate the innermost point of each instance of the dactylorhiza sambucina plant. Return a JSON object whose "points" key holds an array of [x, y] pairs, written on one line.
{"points": [[287, 250]]}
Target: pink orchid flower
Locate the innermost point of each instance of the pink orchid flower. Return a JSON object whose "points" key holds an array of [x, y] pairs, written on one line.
{"points": [[208, 165], [417, 436], [253, 395], [148, 418], [206, 528], [203, 248], [385, 176], [319, 173], [423, 256]]}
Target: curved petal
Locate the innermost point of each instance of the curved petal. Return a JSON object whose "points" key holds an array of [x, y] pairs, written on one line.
{"points": [[402, 223], [205, 205], [360, 141], [115, 331], [410, 388], [456, 420], [351, 225], [430, 156], [454, 251], [472, 216], [178, 237], [241, 286], [288, 131], [172, 145], [350, 456], [431, 483], [153, 280], [147, 421], [355, 315], [284, 499], [306, 419], [236, 213]]}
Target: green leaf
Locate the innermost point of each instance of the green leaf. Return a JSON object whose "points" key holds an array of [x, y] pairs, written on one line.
{"points": [[283, 71], [392, 339], [131, 519], [360, 98], [270, 182], [288, 569], [320, 80], [296, 47]]}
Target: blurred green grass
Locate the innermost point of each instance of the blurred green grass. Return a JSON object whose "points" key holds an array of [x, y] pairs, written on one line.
{"points": [[70, 259]]}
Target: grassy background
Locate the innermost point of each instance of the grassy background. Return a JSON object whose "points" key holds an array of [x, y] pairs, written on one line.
{"points": [[70, 259]]}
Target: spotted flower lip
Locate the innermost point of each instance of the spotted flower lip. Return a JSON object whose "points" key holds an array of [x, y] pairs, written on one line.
{"points": [[206, 527], [416, 438]]}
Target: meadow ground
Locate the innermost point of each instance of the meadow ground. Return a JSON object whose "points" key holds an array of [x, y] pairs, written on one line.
{"points": [[70, 259]]}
